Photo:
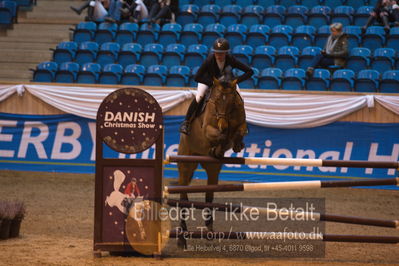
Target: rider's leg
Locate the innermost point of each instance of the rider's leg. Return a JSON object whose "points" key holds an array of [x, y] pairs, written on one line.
{"points": [[185, 126]]}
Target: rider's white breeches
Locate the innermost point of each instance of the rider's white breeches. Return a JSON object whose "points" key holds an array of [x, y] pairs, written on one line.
{"points": [[201, 89]]}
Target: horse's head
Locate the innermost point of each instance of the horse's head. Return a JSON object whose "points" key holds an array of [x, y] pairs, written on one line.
{"points": [[224, 98]]}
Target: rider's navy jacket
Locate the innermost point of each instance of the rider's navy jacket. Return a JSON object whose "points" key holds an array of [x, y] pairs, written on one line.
{"points": [[209, 69]]}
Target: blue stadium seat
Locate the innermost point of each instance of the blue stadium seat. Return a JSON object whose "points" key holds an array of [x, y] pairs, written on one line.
{"points": [[319, 16], [111, 74], [8, 13], [294, 79], [287, 57], [354, 36], [322, 35], [243, 53], [195, 55], [266, 2], [152, 54], [343, 15], [280, 35], [252, 14], [191, 34], [127, 33], [170, 33], [393, 38], [303, 36], [192, 82], [211, 33], [250, 83], [187, 14], [296, 15], [199, 3], [270, 79], [236, 34], [383, 59], [155, 75], [355, 3], [222, 2], [333, 3], [106, 32], [319, 81], [359, 59], [148, 33], [209, 14], [133, 75], [87, 52], [258, 35], [108, 53], [64, 52], [306, 57], [264, 57], [343, 80], [84, 31], [367, 81], [374, 37], [361, 15], [45, 71], [230, 14], [178, 76], [245, 2], [288, 3], [25, 3], [372, 2], [129, 54], [390, 82], [89, 73], [67, 72], [310, 3], [174, 54], [274, 15]]}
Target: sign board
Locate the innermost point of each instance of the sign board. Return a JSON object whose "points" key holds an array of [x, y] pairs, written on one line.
{"points": [[129, 121]]}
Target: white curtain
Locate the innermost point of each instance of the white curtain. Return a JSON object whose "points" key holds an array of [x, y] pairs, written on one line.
{"points": [[7, 90], [389, 102], [264, 109]]}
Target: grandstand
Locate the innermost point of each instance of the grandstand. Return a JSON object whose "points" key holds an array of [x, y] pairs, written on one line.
{"points": [[277, 38]]}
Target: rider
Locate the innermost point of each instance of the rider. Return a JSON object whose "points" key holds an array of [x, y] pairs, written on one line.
{"points": [[214, 67], [132, 189]]}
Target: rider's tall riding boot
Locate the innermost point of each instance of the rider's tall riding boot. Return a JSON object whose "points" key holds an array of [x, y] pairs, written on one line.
{"points": [[185, 126]]}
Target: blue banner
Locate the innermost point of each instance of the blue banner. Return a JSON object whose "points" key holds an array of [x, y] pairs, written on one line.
{"points": [[66, 143]]}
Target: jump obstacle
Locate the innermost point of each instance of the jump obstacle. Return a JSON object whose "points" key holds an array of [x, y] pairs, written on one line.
{"points": [[286, 235], [284, 186], [227, 207], [281, 185]]}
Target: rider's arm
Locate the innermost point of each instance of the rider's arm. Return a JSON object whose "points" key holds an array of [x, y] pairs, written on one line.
{"points": [[202, 75], [248, 72]]}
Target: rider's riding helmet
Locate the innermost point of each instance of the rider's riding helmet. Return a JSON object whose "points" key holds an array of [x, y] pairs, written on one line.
{"points": [[221, 45]]}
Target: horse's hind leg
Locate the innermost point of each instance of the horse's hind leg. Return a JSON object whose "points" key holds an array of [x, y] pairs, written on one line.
{"points": [[212, 171], [186, 171]]}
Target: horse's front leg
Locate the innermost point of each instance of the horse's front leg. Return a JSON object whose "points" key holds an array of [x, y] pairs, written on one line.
{"points": [[238, 136], [216, 138]]}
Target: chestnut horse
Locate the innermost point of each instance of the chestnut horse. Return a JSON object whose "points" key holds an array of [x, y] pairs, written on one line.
{"points": [[221, 126]]}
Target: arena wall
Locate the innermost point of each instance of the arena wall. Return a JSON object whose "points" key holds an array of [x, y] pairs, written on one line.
{"points": [[29, 104]]}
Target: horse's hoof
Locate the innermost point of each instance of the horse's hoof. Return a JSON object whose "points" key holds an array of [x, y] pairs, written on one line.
{"points": [[238, 147], [181, 243]]}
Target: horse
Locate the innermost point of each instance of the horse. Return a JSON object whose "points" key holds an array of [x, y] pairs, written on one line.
{"points": [[218, 128]]}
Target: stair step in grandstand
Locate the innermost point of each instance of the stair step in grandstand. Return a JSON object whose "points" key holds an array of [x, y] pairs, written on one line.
{"points": [[29, 41]]}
